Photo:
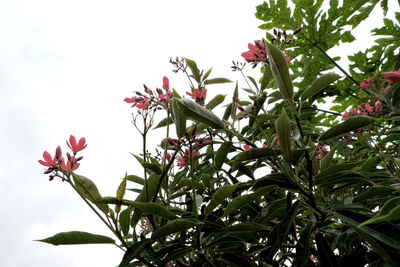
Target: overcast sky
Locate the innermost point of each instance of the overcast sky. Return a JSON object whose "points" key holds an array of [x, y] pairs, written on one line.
{"points": [[65, 68]]}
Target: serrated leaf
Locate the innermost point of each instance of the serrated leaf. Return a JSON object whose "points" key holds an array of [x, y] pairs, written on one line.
{"points": [[179, 119], [217, 81], [219, 196], [172, 227], [221, 154], [351, 124], [280, 70], [77, 238], [89, 190], [283, 130], [200, 114], [218, 99], [319, 84]]}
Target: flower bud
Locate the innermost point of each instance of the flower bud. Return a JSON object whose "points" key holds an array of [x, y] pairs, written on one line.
{"points": [[297, 31]]}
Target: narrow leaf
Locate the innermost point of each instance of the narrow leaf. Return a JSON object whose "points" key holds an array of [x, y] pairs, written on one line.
{"points": [[218, 99], [351, 124], [89, 190], [280, 70], [326, 255], [77, 238], [217, 81], [221, 154], [164, 122], [153, 208], [219, 196], [255, 153], [172, 227], [282, 126], [124, 220], [200, 114], [319, 84], [179, 119], [389, 212]]}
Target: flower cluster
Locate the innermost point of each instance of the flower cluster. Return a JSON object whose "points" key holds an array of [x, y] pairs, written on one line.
{"points": [[256, 53], [321, 151], [58, 163], [368, 111], [367, 84], [188, 147], [151, 100], [392, 76]]}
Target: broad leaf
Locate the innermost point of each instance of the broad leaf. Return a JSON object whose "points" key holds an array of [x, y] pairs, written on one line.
{"points": [[351, 124], [200, 114], [319, 84], [172, 227], [219, 196]]}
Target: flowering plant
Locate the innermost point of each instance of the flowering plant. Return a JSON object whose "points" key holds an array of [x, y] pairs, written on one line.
{"points": [[295, 185]]}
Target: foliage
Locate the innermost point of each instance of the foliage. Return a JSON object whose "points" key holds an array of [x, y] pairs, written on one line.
{"points": [[295, 186]]}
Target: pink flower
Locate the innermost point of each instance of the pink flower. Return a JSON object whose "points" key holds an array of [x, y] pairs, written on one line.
{"points": [[181, 162], [369, 108], [246, 147], [345, 116], [165, 83], [76, 147], [392, 76], [256, 53], [48, 160], [198, 95], [141, 103], [67, 167], [367, 84], [277, 144], [361, 111]]}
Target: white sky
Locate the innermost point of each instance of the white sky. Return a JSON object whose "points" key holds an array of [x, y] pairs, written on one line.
{"points": [[65, 68]]}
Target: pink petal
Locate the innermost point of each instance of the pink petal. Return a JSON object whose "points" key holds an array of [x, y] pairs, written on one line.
{"points": [[47, 157], [393, 76], [165, 83]]}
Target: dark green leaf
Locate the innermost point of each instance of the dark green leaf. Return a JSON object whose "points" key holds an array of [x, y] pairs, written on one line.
{"points": [[200, 114], [255, 153], [319, 84], [124, 220], [389, 212], [193, 67], [172, 227], [351, 124], [221, 154], [282, 126], [280, 70], [326, 255], [219, 196], [179, 119], [153, 208], [164, 122], [303, 246]]}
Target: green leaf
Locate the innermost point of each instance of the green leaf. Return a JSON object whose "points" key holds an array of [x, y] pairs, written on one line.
{"points": [[221, 154], [282, 126], [303, 246], [193, 67], [152, 167], [241, 201], [77, 238], [217, 81], [235, 98], [120, 193], [266, 78], [218, 99], [205, 76], [280, 70], [260, 100], [326, 255], [245, 227], [373, 192], [255, 153], [367, 230], [337, 169], [351, 124], [134, 251], [172, 227], [89, 190], [319, 84], [135, 179], [200, 114], [164, 122], [369, 165], [179, 119], [219, 196], [389, 212], [153, 208], [124, 220]]}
